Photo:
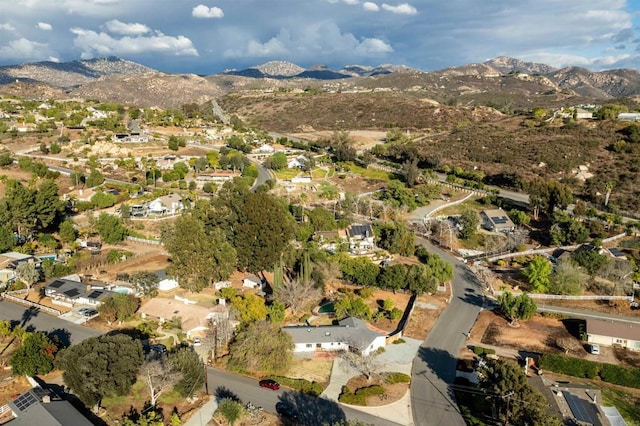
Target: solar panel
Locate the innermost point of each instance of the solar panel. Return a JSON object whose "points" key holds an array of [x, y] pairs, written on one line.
{"points": [[25, 401], [582, 410], [72, 292], [56, 284], [95, 294]]}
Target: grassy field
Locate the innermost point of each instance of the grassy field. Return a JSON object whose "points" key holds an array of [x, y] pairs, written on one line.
{"points": [[370, 173], [287, 174], [319, 371], [627, 404]]}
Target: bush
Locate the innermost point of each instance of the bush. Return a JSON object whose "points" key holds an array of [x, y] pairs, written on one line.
{"points": [[360, 396], [395, 314], [392, 378], [479, 350], [582, 368], [301, 385], [398, 341], [366, 292]]}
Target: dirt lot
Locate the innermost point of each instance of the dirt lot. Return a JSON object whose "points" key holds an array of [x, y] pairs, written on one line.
{"points": [[423, 319]]}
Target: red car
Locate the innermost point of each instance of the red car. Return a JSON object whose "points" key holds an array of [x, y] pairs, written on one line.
{"points": [[268, 383]]}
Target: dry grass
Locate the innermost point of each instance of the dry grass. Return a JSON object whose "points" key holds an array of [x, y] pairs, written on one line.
{"points": [[312, 370]]}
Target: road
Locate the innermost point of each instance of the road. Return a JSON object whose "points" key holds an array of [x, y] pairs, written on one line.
{"points": [[67, 331], [432, 400], [312, 411], [581, 313]]}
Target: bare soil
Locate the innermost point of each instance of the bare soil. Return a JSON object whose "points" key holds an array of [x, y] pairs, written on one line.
{"points": [[392, 392], [422, 320]]}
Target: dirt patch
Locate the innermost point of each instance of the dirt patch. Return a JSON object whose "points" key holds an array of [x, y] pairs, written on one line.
{"points": [[392, 392], [263, 419], [316, 369], [423, 319], [11, 386]]}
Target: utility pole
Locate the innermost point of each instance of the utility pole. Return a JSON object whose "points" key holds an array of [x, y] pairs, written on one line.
{"points": [[507, 396]]}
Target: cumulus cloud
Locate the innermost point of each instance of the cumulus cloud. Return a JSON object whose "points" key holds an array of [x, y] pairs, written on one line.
{"points": [[123, 28], [53, 59], [401, 9], [44, 26], [370, 6], [202, 11], [7, 27], [23, 49], [311, 42], [94, 44]]}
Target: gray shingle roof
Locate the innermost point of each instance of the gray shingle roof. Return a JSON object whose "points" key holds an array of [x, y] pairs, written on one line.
{"points": [[30, 409], [350, 330]]}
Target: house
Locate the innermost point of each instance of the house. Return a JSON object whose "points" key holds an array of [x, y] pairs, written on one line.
{"points": [[299, 162], [350, 334], [497, 221], [168, 204], [68, 292], [251, 281], [629, 116], [612, 333], [43, 407], [583, 114], [216, 176], [361, 238], [194, 319], [9, 262], [265, 148]]}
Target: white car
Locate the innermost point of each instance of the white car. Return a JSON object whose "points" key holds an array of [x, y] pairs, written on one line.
{"points": [[594, 349], [197, 341]]}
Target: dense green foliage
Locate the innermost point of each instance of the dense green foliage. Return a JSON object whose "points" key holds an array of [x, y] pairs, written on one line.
{"points": [[34, 356], [515, 308], [610, 373], [110, 228], [187, 361], [262, 347], [359, 397]]}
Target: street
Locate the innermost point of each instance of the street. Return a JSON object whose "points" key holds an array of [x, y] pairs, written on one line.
{"points": [[311, 410], [66, 331], [432, 399]]}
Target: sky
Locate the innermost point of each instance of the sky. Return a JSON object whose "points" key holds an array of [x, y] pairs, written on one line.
{"points": [[209, 36]]}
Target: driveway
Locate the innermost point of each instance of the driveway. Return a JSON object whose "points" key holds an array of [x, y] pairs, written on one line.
{"points": [[67, 331], [433, 372]]}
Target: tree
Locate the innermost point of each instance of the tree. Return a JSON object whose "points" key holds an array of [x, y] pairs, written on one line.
{"points": [[95, 178], [567, 278], [189, 364], [249, 308], [6, 239], [262, 347], [589, 258], [396, 238], [365, 364], [120, 307], [159, 375], [277, 161], [27, 273], [110, 228], [547, 195], [295, 292], [421, 279], [146, 282], [342, 146], [469, 221], [538, 271], [173, 143], [231, 410], [519, 217], [49, 208], [199, 256], [34, 356], [103, 200], [359, 270], [21, 205], [514, 400], [101, 366], [393, 277], [516, 308], [350, 305]]}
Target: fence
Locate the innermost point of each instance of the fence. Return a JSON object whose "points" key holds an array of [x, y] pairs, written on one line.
{"points": [[444, 206], [145, 241], [32, 304], [543, 296]]}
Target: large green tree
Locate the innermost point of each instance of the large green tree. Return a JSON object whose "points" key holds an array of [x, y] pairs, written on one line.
{"points": [[101, 366], [516, 308], [68, 233], [34, 356], [110, 228], [538, 271], [262, 347], [6, 239], [547, 195], [49, 206], [469, 221], [396, 238], [21, 204], [188, 363], [199, 256]]}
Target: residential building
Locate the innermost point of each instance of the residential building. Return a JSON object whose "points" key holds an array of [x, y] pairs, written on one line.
{"points": [[168, 204], [8, 263], [43, 407], [251, 281], [194, 319], [612, 333], [361, 238], [350, 334], [629, 116], [66, 292], [497, 220]]}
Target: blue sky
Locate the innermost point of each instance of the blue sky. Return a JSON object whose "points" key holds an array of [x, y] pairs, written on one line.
{"points": [[208, 36]]}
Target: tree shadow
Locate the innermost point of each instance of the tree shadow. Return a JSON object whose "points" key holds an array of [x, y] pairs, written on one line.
{"points": [[28, 314], [442, 365], [61, 337], [222, 392], [312, 411]]}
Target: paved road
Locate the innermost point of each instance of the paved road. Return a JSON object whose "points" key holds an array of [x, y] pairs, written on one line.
{"points": [[434, 367], [41, 321], [312, 411], [581, 313]]}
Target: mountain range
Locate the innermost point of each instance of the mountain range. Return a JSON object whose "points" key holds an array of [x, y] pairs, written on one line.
{"points": [[128, 82]]}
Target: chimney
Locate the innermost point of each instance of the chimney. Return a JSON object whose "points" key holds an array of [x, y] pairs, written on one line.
{"points": [[88, 287], [46, 399]]}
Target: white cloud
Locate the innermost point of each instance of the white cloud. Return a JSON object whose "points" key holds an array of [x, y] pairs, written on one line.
{"points": [[351, 2], [123, 28], [23, 49], [7, 27], [53, 59], [44, 26], [202, 11], [401, 9], [102, 44], [370, 6], [373, 46]]}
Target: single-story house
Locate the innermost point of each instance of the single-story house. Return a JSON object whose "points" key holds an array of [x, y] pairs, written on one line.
{"points": [[68, 293], [350, 334], [168, 204], [194, 319], [265, 148], [43, 407], [629, 116], [251, 281], [497, 220], [298, 162], [9, 262], [361, 238], [167, 284], [613, 333]]}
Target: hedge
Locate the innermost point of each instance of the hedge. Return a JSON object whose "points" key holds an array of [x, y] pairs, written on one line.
{"points": [[392, 378], [610, 373], [301, 385], [479, 350], [360, 396]]}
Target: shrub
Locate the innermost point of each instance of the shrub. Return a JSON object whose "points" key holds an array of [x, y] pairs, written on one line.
{"points": [[615, 374], [305, 317], [392, 378], [395, 314], [398, 341], [479, 350], [360, 396], [366, 292]]}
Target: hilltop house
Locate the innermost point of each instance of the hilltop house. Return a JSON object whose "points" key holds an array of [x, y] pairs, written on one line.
{"points": [[629, 116], [612, 333], [350, 334], [497, 221], [359, 238], [168, 204]]}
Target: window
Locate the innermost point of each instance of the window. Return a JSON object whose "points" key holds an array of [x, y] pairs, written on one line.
{"points": [[309, 345], [620, 341]]}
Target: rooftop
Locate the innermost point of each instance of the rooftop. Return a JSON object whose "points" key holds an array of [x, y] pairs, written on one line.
{"points": [[75, 290], [620, 330], [44, 408], [349, 330]]}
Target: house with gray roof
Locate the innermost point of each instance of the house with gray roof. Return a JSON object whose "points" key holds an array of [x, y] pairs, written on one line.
{"points": [[68, 292], [349, 334], [43, 407], [613, 333]]}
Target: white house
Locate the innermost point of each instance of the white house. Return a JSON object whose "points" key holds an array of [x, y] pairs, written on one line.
{"points": [[167, 284], [350, 334], [168, 204], [298, 162], [612, 333], [69, 293], [251, 281], [222, 284], [361, 238], [265, 148], [629, 116]]}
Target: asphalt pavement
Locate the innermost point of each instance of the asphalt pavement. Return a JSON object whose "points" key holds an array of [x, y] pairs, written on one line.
{"points": [[32, 318], [433, 371]]}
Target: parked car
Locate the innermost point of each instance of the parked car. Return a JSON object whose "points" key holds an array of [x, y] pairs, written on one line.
{"points": [[90, 313], [268, 383], [594, 349], [286, 411], [197, 341]]}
